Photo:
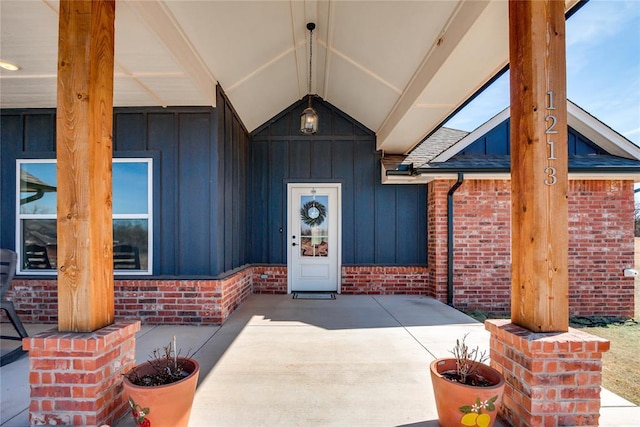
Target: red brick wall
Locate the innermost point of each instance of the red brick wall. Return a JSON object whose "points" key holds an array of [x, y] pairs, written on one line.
{"points": [[437, 238], [235, 290], [482, 251], [355, 280], [270, 279], [181, 302], [601, 245], [385, 280], [35, 300], [208, 301]]}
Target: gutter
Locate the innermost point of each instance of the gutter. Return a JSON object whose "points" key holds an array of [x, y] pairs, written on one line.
{"points": [[478, 170], [402, 170], [450, 238]]}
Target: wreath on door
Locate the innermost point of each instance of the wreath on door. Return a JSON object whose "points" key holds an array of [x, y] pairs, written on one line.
{"points": [[313, 213]]}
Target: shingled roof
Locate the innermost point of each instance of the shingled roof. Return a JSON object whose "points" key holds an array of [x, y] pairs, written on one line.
{"points": [[441, 140], [501, 163]]}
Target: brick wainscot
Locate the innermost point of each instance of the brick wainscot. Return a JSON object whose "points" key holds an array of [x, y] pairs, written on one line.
{"points": [[209, 301]]}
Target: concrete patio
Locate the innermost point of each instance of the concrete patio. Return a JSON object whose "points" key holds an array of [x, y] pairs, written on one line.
{"points": [[278, 361]]}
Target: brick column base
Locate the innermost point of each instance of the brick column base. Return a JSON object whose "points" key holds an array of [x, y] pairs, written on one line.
{"points": [[76, 378], [551, 378]]}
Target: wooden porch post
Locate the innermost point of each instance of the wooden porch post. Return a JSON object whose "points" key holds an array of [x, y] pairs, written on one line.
{"points": [[84, 126], [539, 230], [539, 327]]}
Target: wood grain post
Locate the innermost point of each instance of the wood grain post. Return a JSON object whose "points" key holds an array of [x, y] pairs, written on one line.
{"points": [[84, 126], [539, 182]]}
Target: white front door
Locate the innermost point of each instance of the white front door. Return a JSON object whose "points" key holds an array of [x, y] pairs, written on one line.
{"points": [[314, 227]]}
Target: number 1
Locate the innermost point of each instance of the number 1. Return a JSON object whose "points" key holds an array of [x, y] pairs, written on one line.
{"points": [[550, 106], [552, 153]]}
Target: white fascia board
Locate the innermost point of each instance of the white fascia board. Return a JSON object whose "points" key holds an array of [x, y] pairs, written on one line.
{"points": [[573, 176], [607, 176], [601, 134], [408, 179], [473, 136], [427, 178], [587, 125]]}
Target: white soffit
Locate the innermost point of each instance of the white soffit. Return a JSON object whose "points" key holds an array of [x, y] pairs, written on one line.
{"points": [[176, 45], [249, 46], [398, 67], [28, 38], [452, 72]]}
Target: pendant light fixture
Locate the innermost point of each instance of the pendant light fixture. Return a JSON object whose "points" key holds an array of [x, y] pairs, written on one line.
{"points": [[309, 117]]}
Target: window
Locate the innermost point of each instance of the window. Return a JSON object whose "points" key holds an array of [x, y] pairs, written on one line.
{"points": [[36, 233]]}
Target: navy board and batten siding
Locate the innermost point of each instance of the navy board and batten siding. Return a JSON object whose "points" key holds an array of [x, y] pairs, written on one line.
{"points": [[23, 134], [381, 224], [199, 179], [220, 195], [497, 142]]}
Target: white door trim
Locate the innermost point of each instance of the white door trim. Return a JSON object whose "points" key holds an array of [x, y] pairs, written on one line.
{"points": [[293, 219]]}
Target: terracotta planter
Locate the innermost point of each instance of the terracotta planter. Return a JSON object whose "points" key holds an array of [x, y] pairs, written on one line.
{"points": [[464, 405], [168, 405]]}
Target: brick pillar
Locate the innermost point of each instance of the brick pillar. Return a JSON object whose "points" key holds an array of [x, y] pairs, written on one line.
{"points": [[551, 378], [76, 378]]}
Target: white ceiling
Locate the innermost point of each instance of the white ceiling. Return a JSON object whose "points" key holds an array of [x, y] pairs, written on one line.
{"points": [[398, 67]]}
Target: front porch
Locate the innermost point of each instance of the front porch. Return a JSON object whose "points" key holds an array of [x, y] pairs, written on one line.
{"points": [[356, 360]]}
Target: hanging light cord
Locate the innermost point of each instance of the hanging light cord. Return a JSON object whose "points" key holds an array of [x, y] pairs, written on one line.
{"points": [[310, 26]]}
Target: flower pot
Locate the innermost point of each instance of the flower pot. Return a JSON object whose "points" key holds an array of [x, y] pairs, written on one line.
{"points": [[165, 405], [464, 405]]}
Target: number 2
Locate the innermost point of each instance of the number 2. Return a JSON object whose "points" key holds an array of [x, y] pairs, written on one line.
{"points": [[553, 119]]}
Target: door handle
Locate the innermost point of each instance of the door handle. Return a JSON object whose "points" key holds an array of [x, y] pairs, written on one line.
{"points": [[294, 244]]}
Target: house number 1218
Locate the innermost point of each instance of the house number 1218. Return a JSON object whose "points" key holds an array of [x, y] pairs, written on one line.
{"points": [[550, 119]]}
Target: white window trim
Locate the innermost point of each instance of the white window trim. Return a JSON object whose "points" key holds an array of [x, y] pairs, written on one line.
{"points": [[148, 217]]}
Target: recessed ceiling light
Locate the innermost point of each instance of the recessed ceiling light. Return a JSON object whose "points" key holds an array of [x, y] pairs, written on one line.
{"points": [[9, 66]]}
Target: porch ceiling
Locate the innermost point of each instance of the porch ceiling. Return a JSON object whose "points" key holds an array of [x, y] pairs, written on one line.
{"points": [[398, 67]]}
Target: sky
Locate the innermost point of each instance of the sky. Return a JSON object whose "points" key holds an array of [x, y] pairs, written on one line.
{"points": [[130, 187], [603, 70]]}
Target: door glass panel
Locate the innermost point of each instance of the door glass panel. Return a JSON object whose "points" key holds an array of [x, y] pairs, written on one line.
{"points": [[314, 225]]}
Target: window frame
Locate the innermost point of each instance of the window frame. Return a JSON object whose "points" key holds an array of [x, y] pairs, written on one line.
{"points": [[148, 217]]}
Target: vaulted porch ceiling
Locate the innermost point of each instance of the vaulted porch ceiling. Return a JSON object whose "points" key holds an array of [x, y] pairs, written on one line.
{"points": [[398, 67]]}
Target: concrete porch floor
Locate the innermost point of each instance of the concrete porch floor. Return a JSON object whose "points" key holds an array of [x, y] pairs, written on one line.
{"points": [[352, 361]]}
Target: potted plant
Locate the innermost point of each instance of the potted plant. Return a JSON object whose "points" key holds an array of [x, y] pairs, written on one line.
{"points": [[161, 390], [468, 392]]}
